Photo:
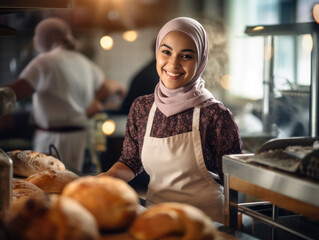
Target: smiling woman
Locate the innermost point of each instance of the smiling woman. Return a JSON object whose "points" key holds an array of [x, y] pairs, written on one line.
{"points": [[180, 133]]}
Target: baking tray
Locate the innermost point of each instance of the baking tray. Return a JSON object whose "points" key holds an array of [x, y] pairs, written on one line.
{"points": [[296, 155]]}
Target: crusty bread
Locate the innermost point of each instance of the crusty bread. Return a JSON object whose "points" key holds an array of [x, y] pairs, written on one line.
{"points": [[22, 189], [174, 221], [52, 181], [27, 162], [112, 201], [50, 217]]}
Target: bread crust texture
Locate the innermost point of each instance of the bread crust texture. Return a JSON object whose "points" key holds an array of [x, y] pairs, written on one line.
{"points": [[112, 201], [28, 162], [50, 217], [52, 181], [173, 221]]}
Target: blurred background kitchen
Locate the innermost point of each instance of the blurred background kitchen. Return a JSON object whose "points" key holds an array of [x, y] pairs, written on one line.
{"points": [[261, 65]]}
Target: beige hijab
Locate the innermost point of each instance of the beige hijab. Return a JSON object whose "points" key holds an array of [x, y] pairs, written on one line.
{"points": [[194, 93]]}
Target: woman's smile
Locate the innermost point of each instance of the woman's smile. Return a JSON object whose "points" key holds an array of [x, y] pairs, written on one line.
{"points": [[173, 75]]}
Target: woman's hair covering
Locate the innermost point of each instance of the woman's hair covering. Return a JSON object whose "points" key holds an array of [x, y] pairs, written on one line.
{"points": [[194, 93], [193, 29], [51, 32]]}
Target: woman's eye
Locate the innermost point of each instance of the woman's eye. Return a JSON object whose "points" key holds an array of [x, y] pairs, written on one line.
{"points": [[187, 57], [166, 52]]}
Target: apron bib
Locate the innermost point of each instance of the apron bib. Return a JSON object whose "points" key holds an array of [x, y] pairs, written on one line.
{"points": [[177, 170]]}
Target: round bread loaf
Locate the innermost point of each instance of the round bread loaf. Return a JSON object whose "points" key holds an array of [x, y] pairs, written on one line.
{"points": [[112, 201], [22, 189], [52, 181], [173, 221], [27, 162], [50, 217]]}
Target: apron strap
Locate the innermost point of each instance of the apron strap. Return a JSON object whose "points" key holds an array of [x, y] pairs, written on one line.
{"points": [[150, 120], [196, 117]]}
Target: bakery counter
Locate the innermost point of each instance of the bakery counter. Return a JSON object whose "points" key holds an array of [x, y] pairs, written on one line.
{"points": [[285, 190], [60, 203]]}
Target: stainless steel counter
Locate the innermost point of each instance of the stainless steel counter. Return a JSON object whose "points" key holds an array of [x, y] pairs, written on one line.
{"points": [[291, 192], [297, 187]]}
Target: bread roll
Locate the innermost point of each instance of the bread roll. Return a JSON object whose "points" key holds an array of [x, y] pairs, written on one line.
{"points": [[50, 217], [22, 189], [27, 162], [52, 181], [173, 221], [112, 201]]}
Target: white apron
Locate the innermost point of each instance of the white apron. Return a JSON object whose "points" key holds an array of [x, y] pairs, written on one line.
{"points": [[177, 170]]}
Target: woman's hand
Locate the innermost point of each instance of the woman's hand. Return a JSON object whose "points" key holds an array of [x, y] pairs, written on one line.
{"points": [[119, 170]]}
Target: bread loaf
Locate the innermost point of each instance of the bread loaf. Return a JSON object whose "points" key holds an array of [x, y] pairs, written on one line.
{"points": [[174, 221], [27, 162], [22, 189], [52, 181], [112, 201], [50, 217]]}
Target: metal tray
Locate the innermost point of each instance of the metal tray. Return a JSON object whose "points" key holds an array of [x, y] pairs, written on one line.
{"points": [[296, 155]]}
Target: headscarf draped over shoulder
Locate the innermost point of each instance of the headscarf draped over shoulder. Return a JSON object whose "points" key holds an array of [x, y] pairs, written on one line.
{"points": [[194, 93], [51, 32]]}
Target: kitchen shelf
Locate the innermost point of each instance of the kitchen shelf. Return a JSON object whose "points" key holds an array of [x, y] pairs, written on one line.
{"points": [[282, 29]]}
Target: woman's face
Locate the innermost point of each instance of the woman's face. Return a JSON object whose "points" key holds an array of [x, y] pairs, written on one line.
{"points": [[176, 60]]}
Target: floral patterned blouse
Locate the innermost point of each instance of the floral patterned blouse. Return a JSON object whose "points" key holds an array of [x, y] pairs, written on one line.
{"points": [[218, 131]]}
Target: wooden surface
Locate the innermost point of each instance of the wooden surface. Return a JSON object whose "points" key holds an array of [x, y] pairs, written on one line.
{"points": [[276, 198]]}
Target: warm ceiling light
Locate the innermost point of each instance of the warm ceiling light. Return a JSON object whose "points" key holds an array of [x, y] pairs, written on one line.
{"points": [[108, 127], [315, 12], [258, 28], [225, 81], [130, 36], [106, 42]]}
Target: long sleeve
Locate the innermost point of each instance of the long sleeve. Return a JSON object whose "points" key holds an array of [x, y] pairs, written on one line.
{"points": [[222, 138]]}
